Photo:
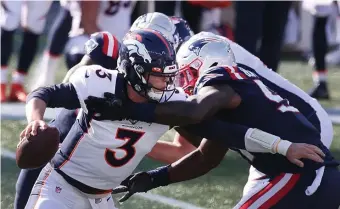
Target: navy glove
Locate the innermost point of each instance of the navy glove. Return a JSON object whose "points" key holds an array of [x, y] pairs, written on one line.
{"points": [[142, 182], [108, 108]]}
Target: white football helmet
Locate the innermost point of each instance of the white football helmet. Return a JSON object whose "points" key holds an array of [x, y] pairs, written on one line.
{"points": [[158, 22], [198, 54]]}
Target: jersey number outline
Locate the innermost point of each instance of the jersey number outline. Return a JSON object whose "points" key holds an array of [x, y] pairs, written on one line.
{"points": [[284, 107], [236, 74], [103, 74], [131, 137], [114, 6]]}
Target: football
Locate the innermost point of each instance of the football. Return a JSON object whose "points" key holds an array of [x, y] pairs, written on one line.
{"points": [[36, 151]]}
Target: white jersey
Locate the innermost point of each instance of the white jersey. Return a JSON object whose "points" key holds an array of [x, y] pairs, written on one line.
{"points": [[108, 151], [113, 16]]}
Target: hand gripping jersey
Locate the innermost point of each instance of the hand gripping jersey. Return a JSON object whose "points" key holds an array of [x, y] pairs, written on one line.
{"points": [[267, 110], [101, 154]]}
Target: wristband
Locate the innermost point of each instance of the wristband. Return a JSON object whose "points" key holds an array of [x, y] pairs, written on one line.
{"points": [[283, 146], [160, 176]]}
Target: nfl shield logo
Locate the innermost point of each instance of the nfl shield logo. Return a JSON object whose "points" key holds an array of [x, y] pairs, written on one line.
{"points": [[98, 200], [57, 189]]}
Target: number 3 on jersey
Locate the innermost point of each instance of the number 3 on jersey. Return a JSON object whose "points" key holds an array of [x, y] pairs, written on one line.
{"points": [[131, 138]]}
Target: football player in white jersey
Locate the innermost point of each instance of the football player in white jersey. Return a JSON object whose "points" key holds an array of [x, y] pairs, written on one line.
{"points": [[90, 162], [88, 17], [98, 52], [31, 15]]}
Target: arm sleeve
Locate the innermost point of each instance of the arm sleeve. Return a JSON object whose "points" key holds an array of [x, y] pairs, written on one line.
{"points": [[214, 76], [61, 95], [232, 135]]}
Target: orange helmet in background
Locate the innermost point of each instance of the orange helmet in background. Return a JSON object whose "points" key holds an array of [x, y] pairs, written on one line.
{"points": [[211, 4]]}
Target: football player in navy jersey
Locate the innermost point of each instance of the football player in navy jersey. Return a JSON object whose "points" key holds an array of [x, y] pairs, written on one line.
{"points": [[227, 93]]}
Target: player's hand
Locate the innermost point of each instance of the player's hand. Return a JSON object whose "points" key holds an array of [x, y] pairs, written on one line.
{"points": [[298, 151], [139, 182], [32, 128], [108, 108]]}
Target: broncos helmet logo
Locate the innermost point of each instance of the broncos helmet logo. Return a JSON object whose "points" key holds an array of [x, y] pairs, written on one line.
{"points": [[135, 47]]}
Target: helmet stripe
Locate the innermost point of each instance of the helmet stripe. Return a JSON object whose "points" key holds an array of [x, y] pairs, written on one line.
{"points": [[115, 47], [110, 45], [160, 37], [110, 48], [106, 43]]}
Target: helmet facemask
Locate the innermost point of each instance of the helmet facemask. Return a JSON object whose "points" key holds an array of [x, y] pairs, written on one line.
{"points": [[188, 76]]}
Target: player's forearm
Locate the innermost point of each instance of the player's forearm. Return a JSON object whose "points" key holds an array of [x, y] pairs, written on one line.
{"points": [[197, 163], [239, 136], [173, 113], [191, 166], [179, 113], [169, 152], [35, 109]]}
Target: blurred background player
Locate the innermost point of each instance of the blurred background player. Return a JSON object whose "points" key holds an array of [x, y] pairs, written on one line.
{"points": [[32, 17], [56, 41], [158, 22], [321, 10], [259, 28], [100, 16]]}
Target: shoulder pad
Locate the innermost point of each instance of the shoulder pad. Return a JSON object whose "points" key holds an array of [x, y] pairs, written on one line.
{"points": [[93, 80], [212, 76], [103, 49]]}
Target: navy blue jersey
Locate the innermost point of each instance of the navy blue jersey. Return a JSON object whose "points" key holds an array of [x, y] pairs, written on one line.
{"points": [[297, 99], [103, 49], [265, 109]]}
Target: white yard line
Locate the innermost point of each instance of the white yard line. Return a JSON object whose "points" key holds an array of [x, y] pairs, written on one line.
{"points": [[153, 197]]}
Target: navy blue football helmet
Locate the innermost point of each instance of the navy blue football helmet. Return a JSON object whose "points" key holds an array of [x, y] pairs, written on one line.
{"points": [[183, 29], [147, 52]]}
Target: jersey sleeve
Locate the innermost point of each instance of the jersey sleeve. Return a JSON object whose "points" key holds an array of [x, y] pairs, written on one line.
{"points": [[93, 80], [213, 76], [103, 48]]}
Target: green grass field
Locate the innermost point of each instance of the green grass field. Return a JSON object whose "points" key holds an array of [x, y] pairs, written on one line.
{"points": [[220, 188]]}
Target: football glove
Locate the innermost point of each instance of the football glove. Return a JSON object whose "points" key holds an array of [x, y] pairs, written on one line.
{"points": [[108, 108], [143, 182]]}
